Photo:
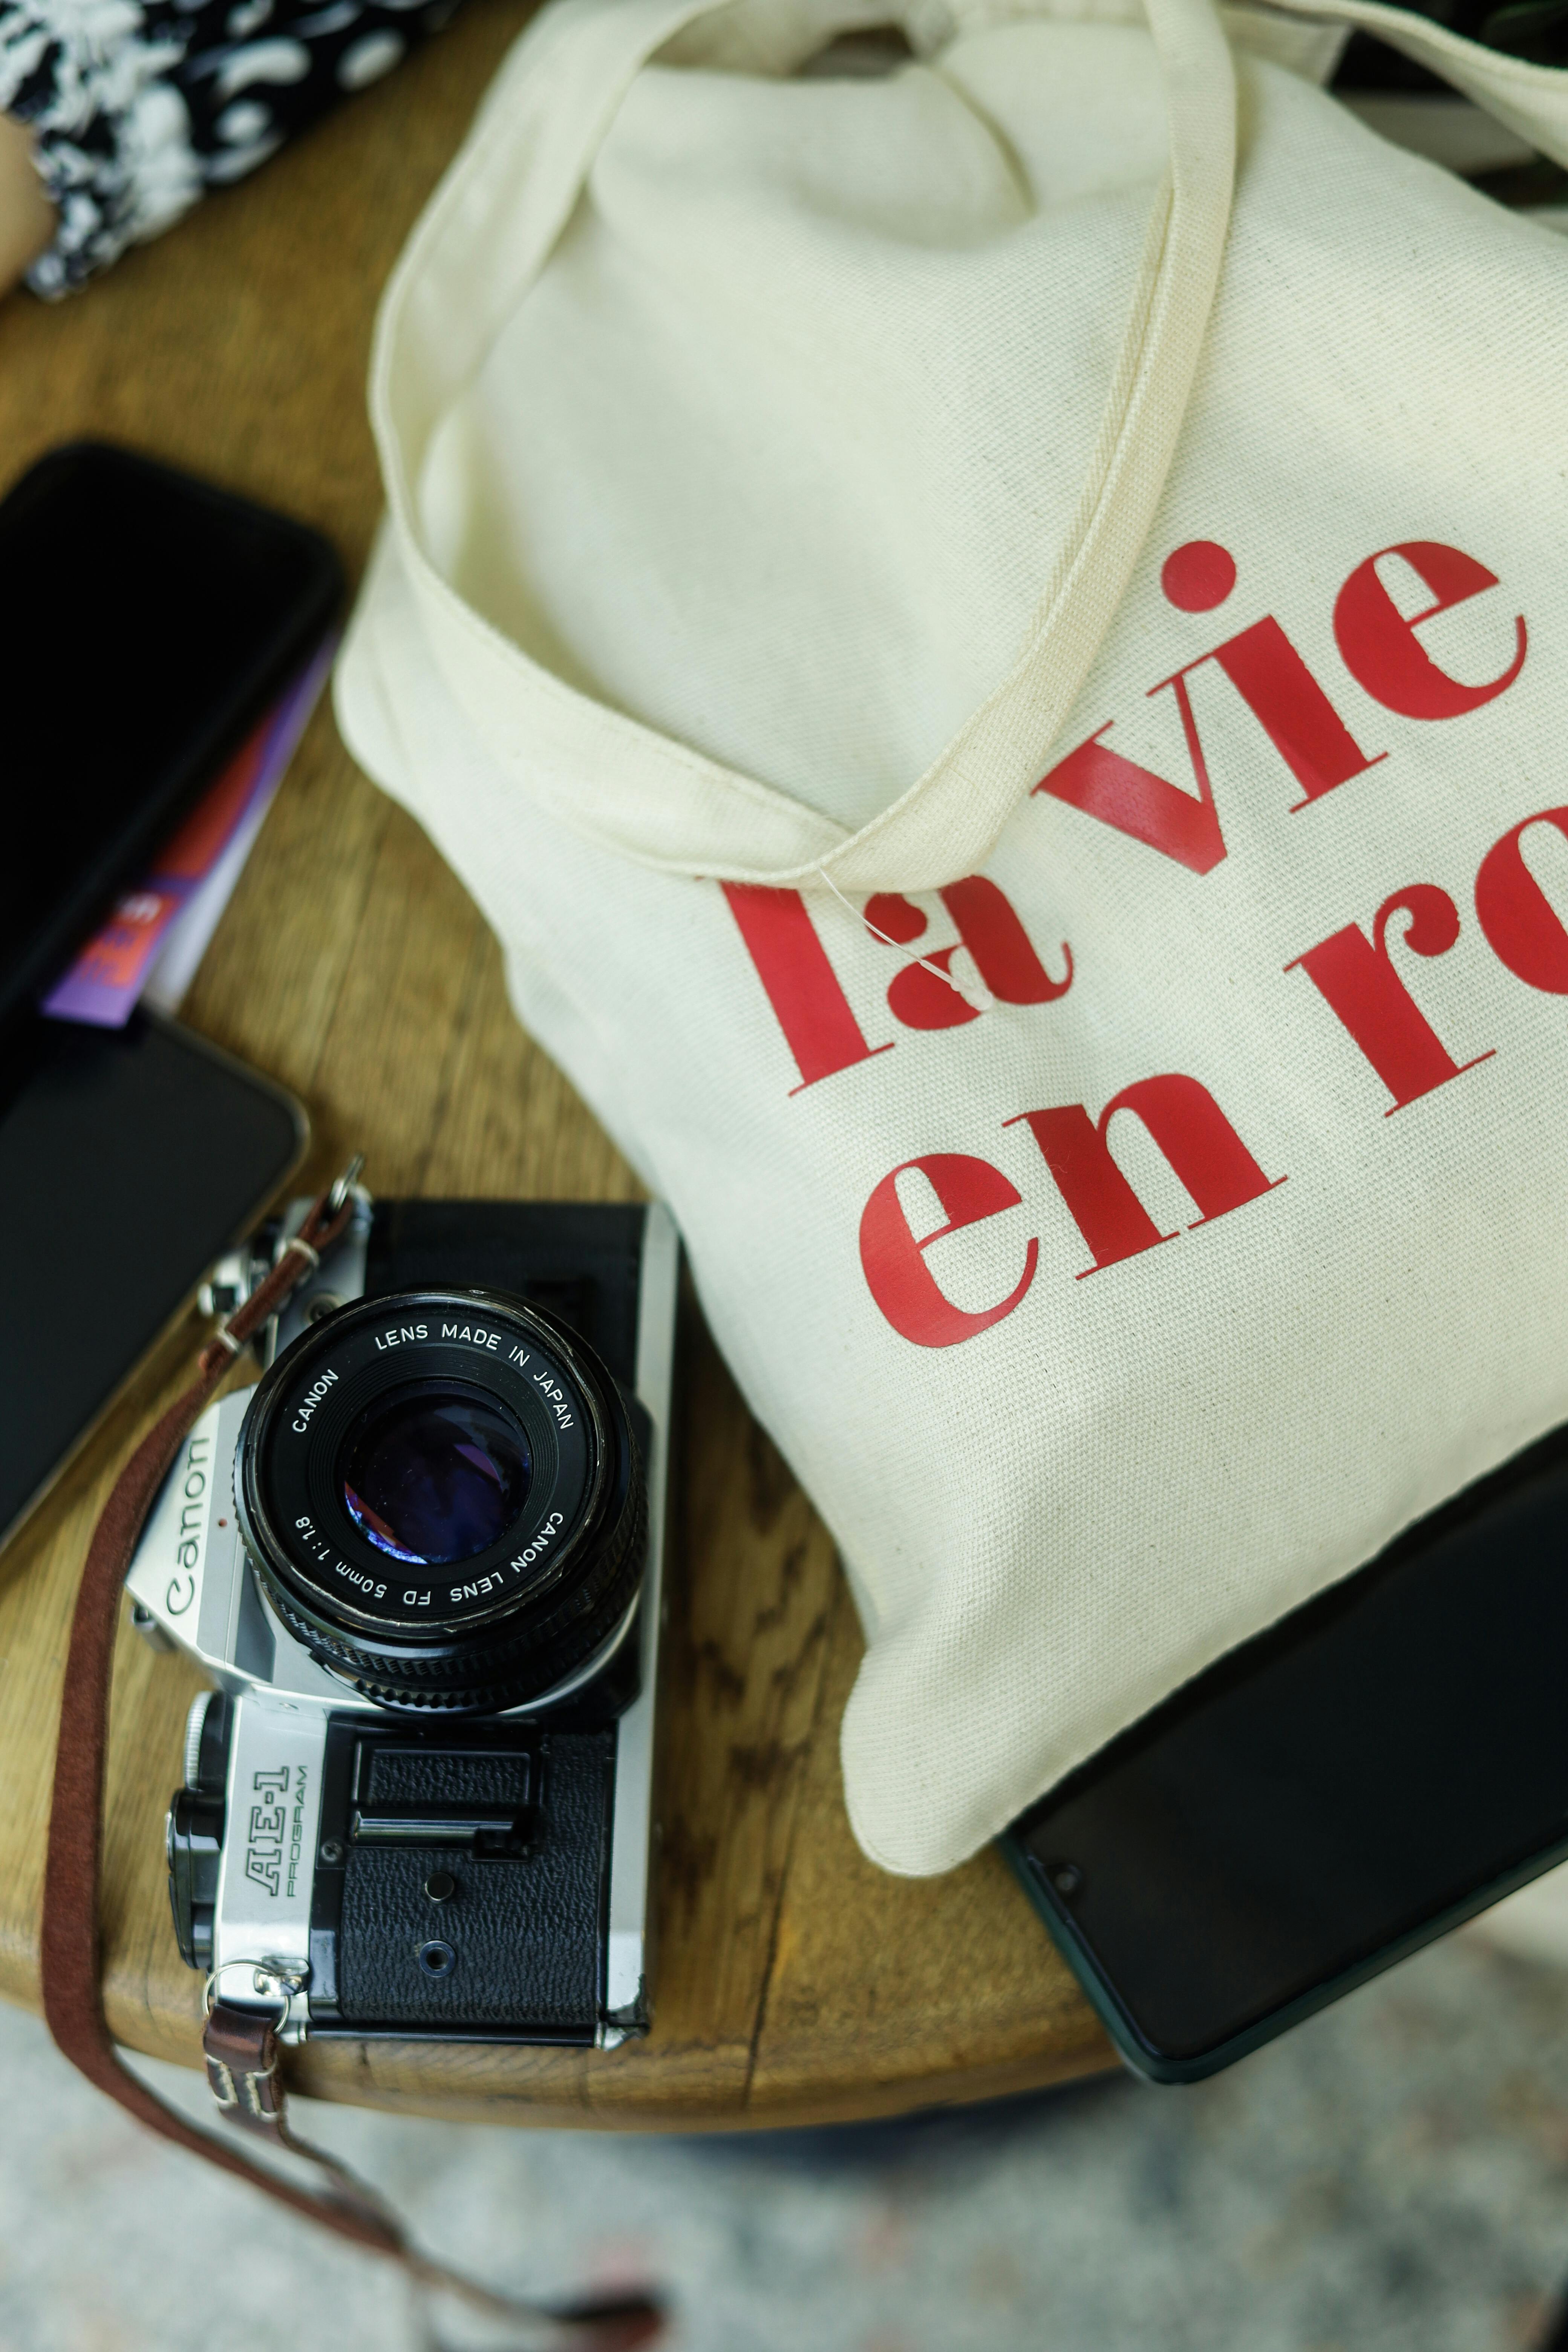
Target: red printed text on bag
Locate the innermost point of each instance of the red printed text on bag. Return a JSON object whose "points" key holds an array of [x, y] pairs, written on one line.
{"points": [[1350, 969]]}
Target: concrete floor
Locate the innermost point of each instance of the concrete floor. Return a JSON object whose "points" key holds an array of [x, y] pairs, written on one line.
{"points": [[1392, 2177]]}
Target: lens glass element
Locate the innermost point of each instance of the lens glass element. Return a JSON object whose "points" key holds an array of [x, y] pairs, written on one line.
{"points": [[434, 1473]]}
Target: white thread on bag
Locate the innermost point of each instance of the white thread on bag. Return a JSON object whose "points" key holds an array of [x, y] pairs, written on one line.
{"points": [[976, 995]]}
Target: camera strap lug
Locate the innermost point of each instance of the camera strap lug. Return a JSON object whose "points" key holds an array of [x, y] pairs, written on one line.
{"points": [[280, 1980]]}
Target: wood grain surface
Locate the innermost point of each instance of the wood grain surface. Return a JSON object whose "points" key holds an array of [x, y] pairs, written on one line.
{"points": [[796, 1983]]}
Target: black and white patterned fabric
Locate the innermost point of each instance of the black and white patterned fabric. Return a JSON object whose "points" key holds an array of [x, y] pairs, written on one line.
{"points": [[139, 106]]}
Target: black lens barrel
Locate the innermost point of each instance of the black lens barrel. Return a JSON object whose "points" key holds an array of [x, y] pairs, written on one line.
{"points": [[485, 1630]]}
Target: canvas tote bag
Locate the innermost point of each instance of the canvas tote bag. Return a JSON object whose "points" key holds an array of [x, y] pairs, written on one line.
{"points": [[993, 644]]}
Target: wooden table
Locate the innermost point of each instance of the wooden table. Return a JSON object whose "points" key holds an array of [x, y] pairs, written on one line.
{"points": [[796, 1983]]}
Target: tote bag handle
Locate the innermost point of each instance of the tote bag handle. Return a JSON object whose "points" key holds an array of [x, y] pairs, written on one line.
{"points": [[1530, 100], [482, 242], [488, 233]]}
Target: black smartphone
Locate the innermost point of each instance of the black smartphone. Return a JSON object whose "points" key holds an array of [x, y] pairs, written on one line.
{"points": [[1384, 1763], [148, 620], [130, 1160]]}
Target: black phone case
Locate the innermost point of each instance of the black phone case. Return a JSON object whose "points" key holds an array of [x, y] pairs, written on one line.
{"points": [[259, 671], [1384, 1763], [130, 1160]]}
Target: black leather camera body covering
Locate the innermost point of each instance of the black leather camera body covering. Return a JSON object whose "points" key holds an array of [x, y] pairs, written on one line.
{"points": [[511, 1881]]}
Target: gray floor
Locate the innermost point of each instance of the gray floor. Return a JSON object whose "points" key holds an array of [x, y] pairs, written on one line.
{"points": [[1393, 2177]]}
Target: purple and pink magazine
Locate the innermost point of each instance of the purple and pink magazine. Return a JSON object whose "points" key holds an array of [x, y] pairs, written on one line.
{"points": [[153, 940]]}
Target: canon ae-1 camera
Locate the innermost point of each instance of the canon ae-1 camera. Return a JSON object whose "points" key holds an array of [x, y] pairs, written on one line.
{"points": [[421, 1561]]}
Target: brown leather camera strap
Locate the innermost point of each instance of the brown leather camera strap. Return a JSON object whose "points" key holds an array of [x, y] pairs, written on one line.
{"points": [[241, 2048]]}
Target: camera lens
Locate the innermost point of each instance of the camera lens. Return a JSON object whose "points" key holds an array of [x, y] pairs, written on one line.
{"points": [[442, 1494], [434, 1475]]}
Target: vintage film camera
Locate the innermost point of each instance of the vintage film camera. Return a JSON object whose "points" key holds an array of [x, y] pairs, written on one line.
{"points": [[421, 1562]]}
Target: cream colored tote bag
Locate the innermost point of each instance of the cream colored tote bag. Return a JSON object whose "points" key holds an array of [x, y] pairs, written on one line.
{"points": [[993, 643]]}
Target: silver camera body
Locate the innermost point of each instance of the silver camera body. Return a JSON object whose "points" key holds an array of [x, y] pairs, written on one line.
{"points": [[456, 1872]]}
